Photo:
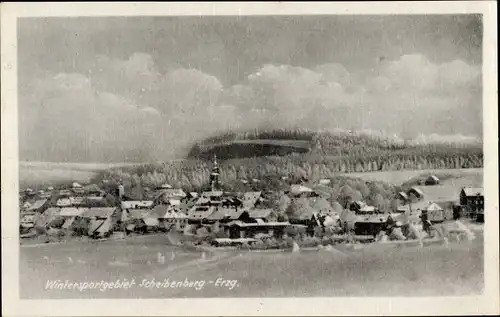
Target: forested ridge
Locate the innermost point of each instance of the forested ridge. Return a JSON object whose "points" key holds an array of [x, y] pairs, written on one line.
{"points": [[332, 153], [324, 143]]}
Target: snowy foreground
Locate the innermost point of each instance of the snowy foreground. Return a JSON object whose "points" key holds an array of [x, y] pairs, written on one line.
{"points": [[158, 270]]}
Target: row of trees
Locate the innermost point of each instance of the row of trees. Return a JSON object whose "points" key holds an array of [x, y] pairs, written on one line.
{"points": [[194, 174]]}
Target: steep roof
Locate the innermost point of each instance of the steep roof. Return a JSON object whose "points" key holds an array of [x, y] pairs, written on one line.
{"points": [[471, 192], [138, 213], [209, 194], [37, 204], [200, 212], [433, 207], [100, 226], [432, 178], [260, 213], [259, 224], [403, 195], [68, 222], [414, 206], [131, 204], [298, 189], [99, 212], [170, 193], [159, 211], [71, 211], [152, 222], [228, 213], [69, 201], [92, 188], [249, 199], [417, 190]]}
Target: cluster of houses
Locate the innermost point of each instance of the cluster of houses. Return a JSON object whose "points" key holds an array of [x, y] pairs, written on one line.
{"points": [[78, 209], [83, 210]]}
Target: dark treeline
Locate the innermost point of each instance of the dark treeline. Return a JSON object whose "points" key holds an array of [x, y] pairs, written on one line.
{"points": [[194, 174], [324, 143]]}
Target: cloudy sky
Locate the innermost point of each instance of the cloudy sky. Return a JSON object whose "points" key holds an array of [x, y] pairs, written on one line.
{"points": [[140, 89]]}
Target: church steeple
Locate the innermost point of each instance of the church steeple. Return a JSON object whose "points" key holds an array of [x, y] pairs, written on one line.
{"points": [[214, 176]]}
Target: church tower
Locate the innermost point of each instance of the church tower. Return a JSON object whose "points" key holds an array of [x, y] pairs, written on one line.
{"points": [[215, 182]]}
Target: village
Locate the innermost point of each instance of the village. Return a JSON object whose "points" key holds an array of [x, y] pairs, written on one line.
{"points": [[222, 218]]}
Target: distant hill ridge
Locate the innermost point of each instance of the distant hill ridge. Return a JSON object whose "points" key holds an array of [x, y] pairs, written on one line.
{"points": [[337, 142]]}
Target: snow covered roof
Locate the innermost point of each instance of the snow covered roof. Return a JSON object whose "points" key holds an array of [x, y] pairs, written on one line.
{"points": [[250, 198], [433, 207], [260, 213], [99, 212], [433, 178], [130, 204], [470, 191], [37, 204], [298, 189], [200, 212], [71, 211]]}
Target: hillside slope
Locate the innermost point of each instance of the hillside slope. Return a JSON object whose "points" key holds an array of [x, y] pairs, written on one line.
{"points": [[314, 156], [324, 143]]}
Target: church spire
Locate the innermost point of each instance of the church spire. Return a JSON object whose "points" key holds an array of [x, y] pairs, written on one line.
{"points": [[214, 176]]}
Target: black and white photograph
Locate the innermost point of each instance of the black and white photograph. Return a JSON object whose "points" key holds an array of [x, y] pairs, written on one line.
{"points": [[233, 156]]}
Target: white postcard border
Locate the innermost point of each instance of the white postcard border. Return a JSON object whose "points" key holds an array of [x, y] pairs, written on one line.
{"points": [[13, 306]]}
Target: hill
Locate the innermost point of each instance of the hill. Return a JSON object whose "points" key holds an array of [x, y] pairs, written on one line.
{"points": [[315, 155], [319, 143]]}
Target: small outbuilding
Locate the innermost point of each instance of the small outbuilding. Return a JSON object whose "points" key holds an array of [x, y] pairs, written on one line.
{"points": [[432, 180], [416, 192]]}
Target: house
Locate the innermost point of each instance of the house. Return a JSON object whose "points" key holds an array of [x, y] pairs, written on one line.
{"points": [[432, 180], [64, 193], [298, 190], [70, 214], [171, 196], [403, 196], [433, 212], [412, 208], [360, 207], [100, 221], [239, 229], [251, 199], [265, 215], [77, 189], [136, 204], [472, 199], [309, 219], [43, 194], [140, 220], [199, 213], [38, 206], [212, 194], [27, 220], [93, 191], [324, 181], [69, 201], [168, 217], [26, 205], [42, 220], [416, 192], [227, 214]]}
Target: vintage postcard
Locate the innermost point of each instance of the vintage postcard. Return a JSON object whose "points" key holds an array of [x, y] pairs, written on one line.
{"points": [[249, 158]]}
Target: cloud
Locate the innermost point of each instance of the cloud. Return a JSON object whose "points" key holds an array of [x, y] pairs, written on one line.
{"points": [[127, 109], [387, 98]]}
